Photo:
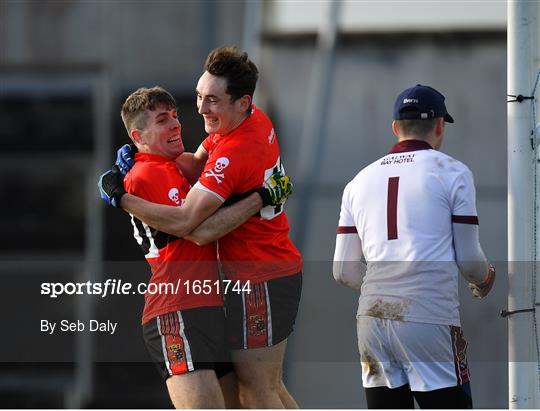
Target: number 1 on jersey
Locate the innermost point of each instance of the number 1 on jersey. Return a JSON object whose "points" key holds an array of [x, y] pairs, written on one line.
{"points": [[391, 207]]}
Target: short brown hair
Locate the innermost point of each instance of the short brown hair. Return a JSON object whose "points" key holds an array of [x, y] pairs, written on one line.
{"points": [[134, 108], [236, 67], [417, 128]]}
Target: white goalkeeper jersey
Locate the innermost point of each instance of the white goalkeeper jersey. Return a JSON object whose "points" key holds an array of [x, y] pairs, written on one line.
{"points": [[402, 206]]}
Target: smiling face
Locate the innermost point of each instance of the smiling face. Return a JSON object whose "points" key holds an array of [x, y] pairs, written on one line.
{"points": [[161, 135], [221, 114]]}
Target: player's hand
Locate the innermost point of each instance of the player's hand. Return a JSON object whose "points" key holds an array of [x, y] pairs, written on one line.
{"points": [[276, 189], [481, 290], [125, 157], [111, 186]]}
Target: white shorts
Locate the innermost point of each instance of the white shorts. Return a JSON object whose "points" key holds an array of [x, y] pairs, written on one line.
{"points": [[425, 356]]}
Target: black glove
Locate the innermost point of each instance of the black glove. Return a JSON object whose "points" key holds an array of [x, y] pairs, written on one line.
{"points": [[111, 186]]}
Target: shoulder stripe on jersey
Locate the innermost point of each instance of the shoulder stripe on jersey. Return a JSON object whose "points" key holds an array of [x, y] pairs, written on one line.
{"points": [[346, 230], [200, 186], [465, 219]]}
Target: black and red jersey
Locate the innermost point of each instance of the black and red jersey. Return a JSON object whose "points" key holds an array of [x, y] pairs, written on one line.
{"points": [[172, 260], [238, 162]]}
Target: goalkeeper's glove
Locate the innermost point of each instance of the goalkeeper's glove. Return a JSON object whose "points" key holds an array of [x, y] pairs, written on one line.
{"points": [[111, 186], [276, 189], [125, 157], [481, 290]]}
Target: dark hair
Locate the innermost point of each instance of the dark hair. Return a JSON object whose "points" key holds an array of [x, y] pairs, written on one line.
{"points": [[134, 108], [417, 128], [241, 73]]}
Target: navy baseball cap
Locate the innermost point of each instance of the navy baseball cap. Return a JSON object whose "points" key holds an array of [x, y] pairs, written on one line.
{"points": [[420, 103]]}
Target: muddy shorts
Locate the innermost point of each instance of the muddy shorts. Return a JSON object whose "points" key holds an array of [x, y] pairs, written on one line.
{"points": [[425, 356]]}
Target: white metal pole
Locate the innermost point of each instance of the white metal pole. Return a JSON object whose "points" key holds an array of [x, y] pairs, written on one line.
{"points": [[523, 375]]}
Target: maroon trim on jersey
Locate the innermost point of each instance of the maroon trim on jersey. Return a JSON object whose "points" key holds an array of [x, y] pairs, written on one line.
{"points": [[391, 209], [410, 145], [465, 219], [346, 230], [459, 349]]}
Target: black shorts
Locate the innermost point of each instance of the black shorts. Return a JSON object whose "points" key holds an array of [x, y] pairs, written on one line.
{"points": [[266, 315], [189, 340]]}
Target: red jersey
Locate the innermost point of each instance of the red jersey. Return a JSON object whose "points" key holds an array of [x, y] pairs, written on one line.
{"points": [[238, 162], [172, 260]]}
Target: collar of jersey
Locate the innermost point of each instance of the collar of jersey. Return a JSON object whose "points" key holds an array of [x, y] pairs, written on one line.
{"points": [[151, 157], [410, 145]]}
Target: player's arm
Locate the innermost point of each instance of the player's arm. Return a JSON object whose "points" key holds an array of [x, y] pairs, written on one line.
{"points": [[192, 164], [470, 259], [225, 220], [199, 204], [349, 267], [275, 190], [178, 221]]}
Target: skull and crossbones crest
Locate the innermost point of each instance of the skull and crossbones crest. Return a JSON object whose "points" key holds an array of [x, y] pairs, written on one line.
{"points": [[174, 195], [217, 171]]}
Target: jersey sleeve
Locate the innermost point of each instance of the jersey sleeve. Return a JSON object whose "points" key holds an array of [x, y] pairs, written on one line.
{"points": [[227, 172], [346, 223], [208, 143], [463, 198], [349, 266]]}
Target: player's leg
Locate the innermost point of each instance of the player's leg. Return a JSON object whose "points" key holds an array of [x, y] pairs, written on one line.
{"points": [[229, 385], [225, 371], [259, 323], [259, 376], [389, 398], [458, 397], [197, 389], [286, 398]]}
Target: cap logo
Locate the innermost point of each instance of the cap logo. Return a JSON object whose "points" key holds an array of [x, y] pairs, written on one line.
{"points": [[410, 101]]}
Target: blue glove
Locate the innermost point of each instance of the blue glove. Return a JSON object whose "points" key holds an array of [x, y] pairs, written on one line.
{"points": [[111, 186], [125, 157]]}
